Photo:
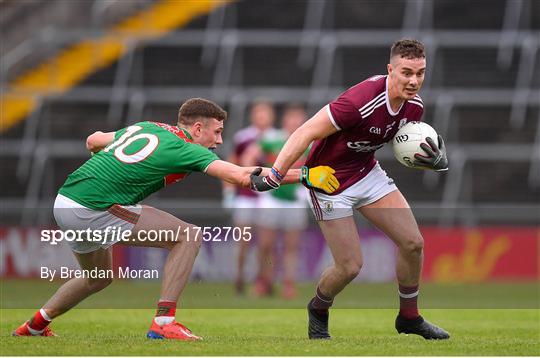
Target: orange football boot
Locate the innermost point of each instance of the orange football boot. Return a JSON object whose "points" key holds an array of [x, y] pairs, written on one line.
{"points": [[173, 330], [24, 331]]}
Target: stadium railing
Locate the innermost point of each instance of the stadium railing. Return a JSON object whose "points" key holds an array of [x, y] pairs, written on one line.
{"points": [[317, 47]]}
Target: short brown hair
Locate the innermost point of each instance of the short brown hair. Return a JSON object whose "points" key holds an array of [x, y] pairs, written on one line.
{"points": [[408, 48], [199, 108]]}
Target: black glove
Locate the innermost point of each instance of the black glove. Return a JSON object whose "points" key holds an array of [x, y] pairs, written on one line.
{"points": [[261, 183], [436, 159]]}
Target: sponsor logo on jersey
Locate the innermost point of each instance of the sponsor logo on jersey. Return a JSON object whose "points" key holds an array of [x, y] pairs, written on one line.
{"points": [[375, 130], [364, 146]]}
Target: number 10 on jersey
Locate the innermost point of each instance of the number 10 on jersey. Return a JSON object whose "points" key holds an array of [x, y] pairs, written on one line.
{"points": [[128, 138]]}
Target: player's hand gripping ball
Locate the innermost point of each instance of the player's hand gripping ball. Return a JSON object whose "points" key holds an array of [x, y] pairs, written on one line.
{"points": [[414, 147], [436, 158]]}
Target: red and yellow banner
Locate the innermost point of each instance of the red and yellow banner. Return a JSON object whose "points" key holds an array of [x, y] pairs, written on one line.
{"points": [[481, 254]]}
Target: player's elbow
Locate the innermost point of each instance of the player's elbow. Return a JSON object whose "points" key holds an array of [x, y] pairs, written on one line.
{"points": [[92, 141]]}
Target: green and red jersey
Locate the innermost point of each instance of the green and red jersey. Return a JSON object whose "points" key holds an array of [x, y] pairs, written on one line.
{"points": [[142, 159]]}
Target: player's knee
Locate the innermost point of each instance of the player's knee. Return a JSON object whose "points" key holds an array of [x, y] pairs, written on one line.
{"points": [[195, 240], [351, 269], [192, 238], [198, 244], [96, 285], [169, 245], [414, 245]]}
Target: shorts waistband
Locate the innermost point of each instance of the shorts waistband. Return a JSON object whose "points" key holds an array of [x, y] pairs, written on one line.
{"points": [[65, 202]]}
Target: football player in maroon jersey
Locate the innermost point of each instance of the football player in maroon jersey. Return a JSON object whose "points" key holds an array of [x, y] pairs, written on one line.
{"points": [[345, 135]]}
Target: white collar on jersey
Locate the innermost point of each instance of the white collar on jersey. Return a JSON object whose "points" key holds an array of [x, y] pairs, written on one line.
{"points": [[388, 107]]}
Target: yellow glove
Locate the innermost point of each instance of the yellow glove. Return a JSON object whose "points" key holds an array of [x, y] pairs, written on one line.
{"points": [[321, 177]]}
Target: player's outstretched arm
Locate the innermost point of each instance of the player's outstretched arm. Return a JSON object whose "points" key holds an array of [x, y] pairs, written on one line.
{"points": [[231, 173], [317, 127], [99, 140], [237, 175]]}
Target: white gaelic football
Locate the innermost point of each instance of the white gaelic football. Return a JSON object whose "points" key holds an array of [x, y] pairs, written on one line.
{"points": [[407, 141]]}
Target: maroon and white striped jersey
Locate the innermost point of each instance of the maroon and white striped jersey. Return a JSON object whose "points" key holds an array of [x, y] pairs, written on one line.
{"points": [[365, 121]]}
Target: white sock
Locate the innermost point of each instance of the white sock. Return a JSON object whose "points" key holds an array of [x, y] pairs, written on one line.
{"points": [[45, 315], [34, 332], [163, 320]]}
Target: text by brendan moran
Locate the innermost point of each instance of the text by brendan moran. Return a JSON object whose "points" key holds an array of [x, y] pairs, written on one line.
{"points": [[121, 272]]}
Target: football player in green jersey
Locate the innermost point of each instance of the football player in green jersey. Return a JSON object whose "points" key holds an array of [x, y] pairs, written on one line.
{"points": [[104, 193]]}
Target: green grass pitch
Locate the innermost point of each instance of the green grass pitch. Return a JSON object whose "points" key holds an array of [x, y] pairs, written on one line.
{"points": [[246, 326]]}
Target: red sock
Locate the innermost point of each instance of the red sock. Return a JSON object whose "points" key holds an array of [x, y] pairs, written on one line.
{"points": [[166, 308], [39, 321], [321, 301], [166, 311], [408, 301]]}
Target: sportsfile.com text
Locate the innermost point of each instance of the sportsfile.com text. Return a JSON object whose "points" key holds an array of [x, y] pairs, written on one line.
{"points": [[116, 234]]}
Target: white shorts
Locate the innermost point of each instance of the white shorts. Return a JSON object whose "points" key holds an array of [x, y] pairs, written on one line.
{"points": [[244, 210], [282, 214], [369, 189], [71, 215]]}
